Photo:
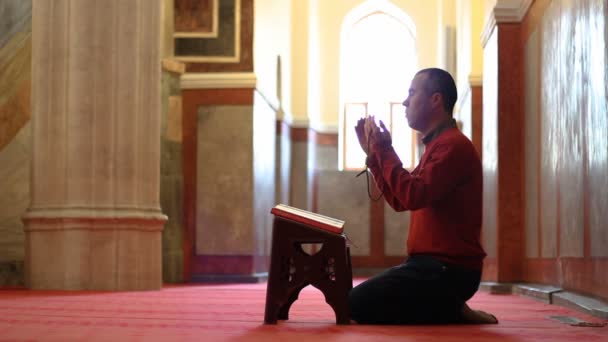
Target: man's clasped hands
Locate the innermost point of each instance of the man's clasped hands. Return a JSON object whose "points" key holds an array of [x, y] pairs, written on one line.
{"points": [[369, 133]]}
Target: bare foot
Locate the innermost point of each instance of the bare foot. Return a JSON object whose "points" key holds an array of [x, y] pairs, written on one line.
{"points": [[471, 316]]}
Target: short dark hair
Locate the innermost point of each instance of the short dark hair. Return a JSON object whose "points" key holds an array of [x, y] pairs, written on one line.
{"points": [[440, 81]]}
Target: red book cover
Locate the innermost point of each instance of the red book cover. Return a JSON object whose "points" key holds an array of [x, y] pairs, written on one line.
{"points": [[308, 218]]}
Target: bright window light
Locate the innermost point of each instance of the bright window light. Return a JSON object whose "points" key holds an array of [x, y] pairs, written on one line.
{"points": [[378, 63]]}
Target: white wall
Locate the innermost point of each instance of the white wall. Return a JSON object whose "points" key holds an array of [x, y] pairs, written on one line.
{"points": [[469, 24], [478, 9], [271, 39], [298, 111]]}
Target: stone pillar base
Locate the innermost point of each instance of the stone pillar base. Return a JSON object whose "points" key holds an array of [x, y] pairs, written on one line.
{"points": [[86, 253]]}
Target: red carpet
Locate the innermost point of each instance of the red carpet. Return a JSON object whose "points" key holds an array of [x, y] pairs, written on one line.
{"points": [[235, 313]]}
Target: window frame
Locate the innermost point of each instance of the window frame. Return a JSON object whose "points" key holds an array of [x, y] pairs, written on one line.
{"points": [[352, 19]]}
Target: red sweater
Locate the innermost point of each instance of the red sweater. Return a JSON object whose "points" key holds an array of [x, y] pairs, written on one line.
{"points": [[444, 193]]}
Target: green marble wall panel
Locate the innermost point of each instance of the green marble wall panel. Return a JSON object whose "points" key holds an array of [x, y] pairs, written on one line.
{"points": [[300, 175], [15, 113], [342, 196], [396, 231], [283, 168], [15, 17], [14, 197], [171, 187], [15, 75], [11, 273], [224, 208]]}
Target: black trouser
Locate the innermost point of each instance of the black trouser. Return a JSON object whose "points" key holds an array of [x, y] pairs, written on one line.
{"points": [[422, 290]]}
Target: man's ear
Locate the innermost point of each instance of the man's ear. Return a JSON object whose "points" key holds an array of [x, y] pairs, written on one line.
{"points": [[437, 100]]}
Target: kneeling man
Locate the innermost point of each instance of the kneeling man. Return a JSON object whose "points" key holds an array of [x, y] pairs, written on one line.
{"points": [[444, 195]]}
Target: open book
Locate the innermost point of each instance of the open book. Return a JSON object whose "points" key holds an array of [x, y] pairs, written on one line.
{"points": [[306, 217]]}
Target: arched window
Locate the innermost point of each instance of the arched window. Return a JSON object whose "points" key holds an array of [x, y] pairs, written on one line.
{"points": [[378, 61]]}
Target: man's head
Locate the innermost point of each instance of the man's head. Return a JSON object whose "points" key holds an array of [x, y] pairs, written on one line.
{"points": [[431, 99]]}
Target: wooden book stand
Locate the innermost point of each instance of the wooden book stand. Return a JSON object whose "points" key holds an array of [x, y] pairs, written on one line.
{"points": [[292, 269]]}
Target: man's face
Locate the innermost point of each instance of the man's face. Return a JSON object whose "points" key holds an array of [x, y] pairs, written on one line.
{"points": [[418, 104]]}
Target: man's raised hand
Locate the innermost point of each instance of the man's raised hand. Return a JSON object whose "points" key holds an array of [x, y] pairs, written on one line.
{"points": [[360, 129], [375, 134], [385, 135]]}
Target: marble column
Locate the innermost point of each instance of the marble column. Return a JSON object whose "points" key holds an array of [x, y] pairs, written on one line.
{"points": [[94, 220]]}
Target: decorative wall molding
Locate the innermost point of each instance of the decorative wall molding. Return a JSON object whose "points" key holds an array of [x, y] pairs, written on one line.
{"points": [[505, 11], [320, 127], [94, 224], [295, 122], [117, 213], [475, 80], [94, 218], [306, 125], [511, 11], [218, 80]]}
